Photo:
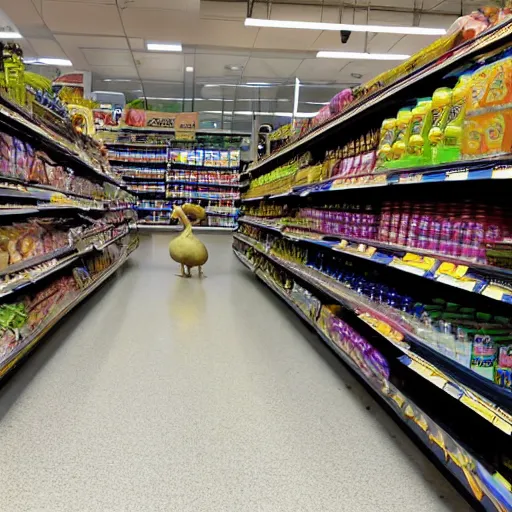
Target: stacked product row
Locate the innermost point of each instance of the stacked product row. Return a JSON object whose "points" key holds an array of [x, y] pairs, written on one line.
{"points": [[164, 176], [467, 32], [465, 124], [388, 233]]}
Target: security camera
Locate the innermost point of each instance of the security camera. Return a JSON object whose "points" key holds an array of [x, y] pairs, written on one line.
{"points": [[345, 34]]}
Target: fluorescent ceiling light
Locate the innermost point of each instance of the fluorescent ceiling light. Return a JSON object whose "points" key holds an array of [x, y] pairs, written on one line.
{"points": [[213, 99], [271, 114], [10, 35], [360, 56], [171, 99], [248, 85], [48, 61], [314, 25], [164, 47], [116, 80], [189, 69]]}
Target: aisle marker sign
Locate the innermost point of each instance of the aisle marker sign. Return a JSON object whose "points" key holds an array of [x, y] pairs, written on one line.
{"points": [[186, 125]]}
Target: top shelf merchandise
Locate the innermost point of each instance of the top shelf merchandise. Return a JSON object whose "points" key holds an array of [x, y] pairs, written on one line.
{"points": [[380, 95], [411, 286], [67, 221]]}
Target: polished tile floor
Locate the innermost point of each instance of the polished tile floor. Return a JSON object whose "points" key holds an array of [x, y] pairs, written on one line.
{"points": [[167, 394]]}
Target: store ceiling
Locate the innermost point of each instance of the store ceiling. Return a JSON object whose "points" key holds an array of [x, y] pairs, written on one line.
{"points": [[109, 39]]}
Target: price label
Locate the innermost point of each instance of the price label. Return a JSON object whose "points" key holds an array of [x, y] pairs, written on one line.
{"points": [[410, 178], [456, 175], [468, 285], [502, 174], [379, 179], [493, 292]]}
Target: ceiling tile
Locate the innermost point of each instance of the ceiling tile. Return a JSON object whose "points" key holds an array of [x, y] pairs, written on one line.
{"points": [[286, 39], [82, 18], [175, 5], [108, 57], [115, 71], [318, 69], [215, 65], [330, 40], [159, 61], [83, 41], [271, 68], [47, 48]]}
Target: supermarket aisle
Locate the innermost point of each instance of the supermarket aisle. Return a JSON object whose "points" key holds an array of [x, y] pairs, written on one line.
{"points": [[166, 394]]}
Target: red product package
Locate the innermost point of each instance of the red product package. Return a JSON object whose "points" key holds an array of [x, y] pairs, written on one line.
{"points": [[38, 171], [134, 117], [368, 162], [6, 154]]}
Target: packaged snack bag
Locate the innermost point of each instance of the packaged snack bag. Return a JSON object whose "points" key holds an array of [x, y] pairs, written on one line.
{"points": [[503, 372], [441, 103], [498, 90], [6, 154], [340, 101], [487, 135], [483, 355], [477, 88], [38, 171], [20, 160]]}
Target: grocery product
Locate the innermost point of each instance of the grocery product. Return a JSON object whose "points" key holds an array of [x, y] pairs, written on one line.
{"points": [[418, 148], [402, 134], [441, 105]]}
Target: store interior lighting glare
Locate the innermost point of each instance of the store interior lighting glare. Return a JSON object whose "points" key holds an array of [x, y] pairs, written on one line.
{"points": [[10, 35], [314, 25], [49, 61], [251, 113], [360, 56], [164, 47]]}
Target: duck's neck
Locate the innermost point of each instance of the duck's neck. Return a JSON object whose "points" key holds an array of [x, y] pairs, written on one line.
{"points": [[187, 226]]}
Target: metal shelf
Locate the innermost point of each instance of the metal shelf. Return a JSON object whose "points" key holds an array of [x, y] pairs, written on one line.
{"points": [[359, 304], [27, 128], [402, 406], [9, 362], [388, 255]]}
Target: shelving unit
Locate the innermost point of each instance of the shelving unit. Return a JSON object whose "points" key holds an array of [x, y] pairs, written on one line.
{"points": [[66, 225], [177, 172], [410, 286]]}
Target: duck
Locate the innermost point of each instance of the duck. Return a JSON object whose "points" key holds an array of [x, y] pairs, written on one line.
{"points": [[186, 249]]}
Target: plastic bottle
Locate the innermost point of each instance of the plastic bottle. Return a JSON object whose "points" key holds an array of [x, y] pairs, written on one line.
{"points": [[387, 137], [418, 148], [399, 147], [449, 150], [441, 104]]}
